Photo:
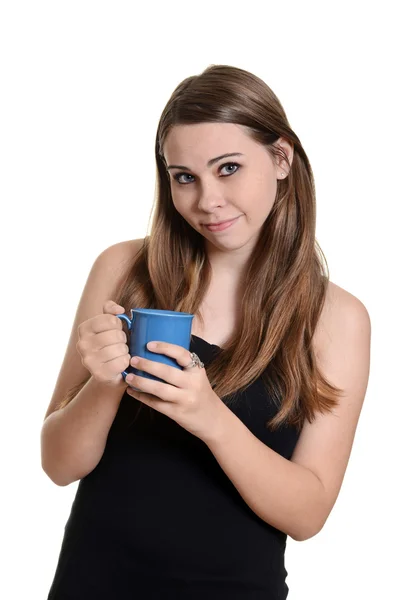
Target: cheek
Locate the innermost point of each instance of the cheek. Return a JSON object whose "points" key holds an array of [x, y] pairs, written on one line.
{"points": [[259, 199], [265, 188], [183, 200], [178, 203], [182, 206]]}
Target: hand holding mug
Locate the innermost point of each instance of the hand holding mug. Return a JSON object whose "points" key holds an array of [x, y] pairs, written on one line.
{"points": [[103, 345], [162, 377], [186, 396]]}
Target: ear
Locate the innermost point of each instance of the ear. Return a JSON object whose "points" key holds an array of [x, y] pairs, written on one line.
{"points": [[281, 166]]}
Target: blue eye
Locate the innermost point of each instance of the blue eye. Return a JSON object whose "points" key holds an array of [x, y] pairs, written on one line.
{"points": [[177, 176]]}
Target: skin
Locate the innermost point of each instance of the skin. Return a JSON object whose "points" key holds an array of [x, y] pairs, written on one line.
{"points": [[222, 191]]}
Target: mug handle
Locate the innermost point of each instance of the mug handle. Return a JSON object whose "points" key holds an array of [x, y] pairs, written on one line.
{"points": [[130, 325]]}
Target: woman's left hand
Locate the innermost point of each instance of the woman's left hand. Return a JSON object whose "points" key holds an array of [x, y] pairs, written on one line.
{"points": [[187, 397]]}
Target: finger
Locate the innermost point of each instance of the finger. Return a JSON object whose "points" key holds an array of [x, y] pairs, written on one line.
{"points": [[179, 353], [108, 353], [169, 374], [160, 390], [108, 338], [103, 323], [113, 308], [98, 324], [149, 400]]}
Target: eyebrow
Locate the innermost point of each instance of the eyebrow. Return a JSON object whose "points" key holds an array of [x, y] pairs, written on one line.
{"points": [[210, 162]]}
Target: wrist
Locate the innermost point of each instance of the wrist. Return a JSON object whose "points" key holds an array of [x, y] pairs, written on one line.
{"points": [[108, 388], [222, 426]]}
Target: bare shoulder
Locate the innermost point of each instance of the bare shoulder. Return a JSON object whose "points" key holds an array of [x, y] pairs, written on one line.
{"points": [[342, 297], [112, 262], [341, 311], [121, 253]]}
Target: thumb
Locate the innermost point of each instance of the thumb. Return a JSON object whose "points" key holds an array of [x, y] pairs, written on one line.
{"points": [[113, 308]]}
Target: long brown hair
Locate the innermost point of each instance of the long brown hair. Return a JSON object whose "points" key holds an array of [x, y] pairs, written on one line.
{"points": [[285, 284]]}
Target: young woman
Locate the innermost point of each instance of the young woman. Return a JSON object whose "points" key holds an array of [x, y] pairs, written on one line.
{"points": [[189, 488]]}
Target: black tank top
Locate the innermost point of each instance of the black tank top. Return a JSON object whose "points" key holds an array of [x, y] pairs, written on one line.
{"points": [[159, 519]]}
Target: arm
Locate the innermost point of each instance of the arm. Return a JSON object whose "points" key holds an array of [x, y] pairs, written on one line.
{"points": [[73, 438], [297, 495]]}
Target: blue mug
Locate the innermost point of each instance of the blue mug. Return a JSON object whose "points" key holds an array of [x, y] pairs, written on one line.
{"points": [[148, 325]]}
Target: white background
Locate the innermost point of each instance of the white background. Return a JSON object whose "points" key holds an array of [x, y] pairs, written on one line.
{"points": [[83, 86]]}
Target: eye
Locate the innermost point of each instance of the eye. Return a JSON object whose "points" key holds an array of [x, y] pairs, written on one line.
{"points": [[178, 176], [237, 167]]}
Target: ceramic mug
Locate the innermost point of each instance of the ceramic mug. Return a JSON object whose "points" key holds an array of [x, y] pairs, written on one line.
{"points": [[148, 325]]}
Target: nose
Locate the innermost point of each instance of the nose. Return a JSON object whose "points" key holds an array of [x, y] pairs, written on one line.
{"points": [[210, 196]]}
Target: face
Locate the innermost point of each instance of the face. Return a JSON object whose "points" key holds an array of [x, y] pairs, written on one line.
{"points": [[207, 189]]}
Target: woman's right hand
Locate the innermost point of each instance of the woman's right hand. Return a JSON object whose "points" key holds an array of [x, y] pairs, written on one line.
{"points": [[103, 345]]}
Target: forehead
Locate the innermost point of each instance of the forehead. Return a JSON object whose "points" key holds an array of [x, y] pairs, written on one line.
{"points": [[205, 140]]}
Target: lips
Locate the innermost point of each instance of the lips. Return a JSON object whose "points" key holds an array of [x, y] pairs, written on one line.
{"points": [[221, 222], [222, 226]]}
